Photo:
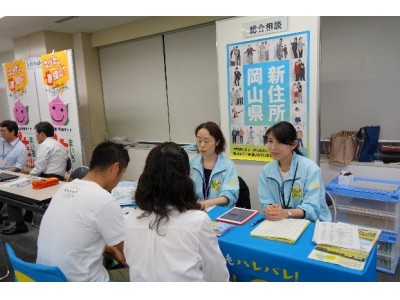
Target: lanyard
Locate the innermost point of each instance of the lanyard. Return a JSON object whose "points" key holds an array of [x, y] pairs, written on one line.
{"points": [[282, 190], [4, 156], [206, 185]]}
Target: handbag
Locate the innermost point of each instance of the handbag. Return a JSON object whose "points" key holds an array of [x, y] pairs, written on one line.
{"points": [[370, 136], [343, 147]]}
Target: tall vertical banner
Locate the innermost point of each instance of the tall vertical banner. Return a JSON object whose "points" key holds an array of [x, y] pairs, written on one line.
{"points": [[23, 101], [268, 82], [58, 102]]}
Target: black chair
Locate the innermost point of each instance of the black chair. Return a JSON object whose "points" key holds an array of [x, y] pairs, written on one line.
{"points": [[69, 165], [79, 173], [244, 195]]}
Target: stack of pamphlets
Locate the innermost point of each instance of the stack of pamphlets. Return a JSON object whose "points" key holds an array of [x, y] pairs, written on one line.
{"points": [[343, 244], [125, 192], [221, 228]]}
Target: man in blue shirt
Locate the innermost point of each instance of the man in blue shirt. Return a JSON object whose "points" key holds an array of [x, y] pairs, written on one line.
{"points": [[13, 153]]}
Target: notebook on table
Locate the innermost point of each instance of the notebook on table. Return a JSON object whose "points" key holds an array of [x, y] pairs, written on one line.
{"points": [[7, 176]]}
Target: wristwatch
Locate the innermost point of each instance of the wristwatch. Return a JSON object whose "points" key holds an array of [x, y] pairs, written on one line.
{"points": [[289, 214]]}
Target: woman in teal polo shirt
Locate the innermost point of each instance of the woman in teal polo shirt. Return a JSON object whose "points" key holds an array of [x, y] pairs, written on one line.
{"points": [[291, 185], [214, 175]]}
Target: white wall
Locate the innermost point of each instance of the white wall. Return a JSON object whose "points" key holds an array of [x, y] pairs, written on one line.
{"points": [[360, 74], [4, 110], [230, 31]]}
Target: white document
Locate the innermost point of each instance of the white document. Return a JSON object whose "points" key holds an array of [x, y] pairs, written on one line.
{"points": [[337, 234]]}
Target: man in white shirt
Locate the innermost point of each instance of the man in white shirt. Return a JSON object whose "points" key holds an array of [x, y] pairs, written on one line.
{"points": [[51, 161], [83, 220]]}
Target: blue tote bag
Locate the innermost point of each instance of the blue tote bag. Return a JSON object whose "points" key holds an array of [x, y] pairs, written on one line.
{"points": [[370, 135]]}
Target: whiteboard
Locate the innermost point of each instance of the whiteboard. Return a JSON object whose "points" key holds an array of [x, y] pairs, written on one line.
{"points": [[148, 100], [191, 66], [360, 72], [134, 90]]}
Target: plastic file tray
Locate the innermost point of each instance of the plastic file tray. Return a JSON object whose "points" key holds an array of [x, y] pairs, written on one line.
{"points": [[387, 263], [365, 193], [367, 207], [388, 252]]}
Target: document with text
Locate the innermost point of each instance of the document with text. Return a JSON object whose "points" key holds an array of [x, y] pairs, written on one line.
{"points": [[285, 230], [336, 244]]}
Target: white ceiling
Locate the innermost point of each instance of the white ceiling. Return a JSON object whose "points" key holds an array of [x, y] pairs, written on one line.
{"points": [[16, 27]]}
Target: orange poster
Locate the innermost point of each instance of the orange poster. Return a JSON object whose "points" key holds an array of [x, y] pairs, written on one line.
{"points": [[16, 76], [55, 69]]}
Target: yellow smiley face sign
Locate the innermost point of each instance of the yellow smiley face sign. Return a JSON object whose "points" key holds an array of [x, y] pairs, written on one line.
{"points": [[55, 69], [16, 76]]}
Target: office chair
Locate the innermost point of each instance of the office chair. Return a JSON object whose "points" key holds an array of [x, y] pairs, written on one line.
{"points": [[331, 204], [31, 272], [4, 262], [244, 195], [79, 173], [69, 165]]}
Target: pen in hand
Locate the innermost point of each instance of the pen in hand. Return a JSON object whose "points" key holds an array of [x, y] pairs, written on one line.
{"points": [[257, 222]]}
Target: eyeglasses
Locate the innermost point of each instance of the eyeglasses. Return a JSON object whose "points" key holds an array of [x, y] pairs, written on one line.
{"points": [[203, 141]]}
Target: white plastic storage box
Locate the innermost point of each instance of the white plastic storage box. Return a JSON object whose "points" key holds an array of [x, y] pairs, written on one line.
{"points": [[388, 252], [367, 206]]}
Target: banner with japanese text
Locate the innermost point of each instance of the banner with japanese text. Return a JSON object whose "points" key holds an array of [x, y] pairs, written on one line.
{"points": [[268, 82], [58, 101], [23, 101]]}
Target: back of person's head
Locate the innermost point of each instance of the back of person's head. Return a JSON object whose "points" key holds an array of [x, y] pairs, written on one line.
{"points": [[108, 153], [215, 132], [165, 183], [10, 125], [285, 133], [46, 128]]}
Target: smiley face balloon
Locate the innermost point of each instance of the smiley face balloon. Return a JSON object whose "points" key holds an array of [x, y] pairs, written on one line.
{"points": [[58, 112], [20, 113]]}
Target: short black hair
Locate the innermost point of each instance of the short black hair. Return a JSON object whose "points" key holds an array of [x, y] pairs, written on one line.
{"points": [[285, 133], [165, 183], [45, 127], [107, 153], [10, 125], [215, 132]]}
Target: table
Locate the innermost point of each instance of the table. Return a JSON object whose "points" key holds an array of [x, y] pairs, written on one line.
{"points": [[26, 197], [255, 259]]}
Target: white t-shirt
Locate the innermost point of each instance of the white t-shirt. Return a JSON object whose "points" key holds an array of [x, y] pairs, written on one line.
{"points": [[186, 250], [81, 219]]}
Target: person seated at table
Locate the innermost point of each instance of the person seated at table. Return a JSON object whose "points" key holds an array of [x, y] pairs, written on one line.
{"points": [[13, 153], [167, 238], [83, 220], [51, 161], [214, 175], [290, 186]]}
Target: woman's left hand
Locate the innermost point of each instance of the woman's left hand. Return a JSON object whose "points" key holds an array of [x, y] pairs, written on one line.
{"points": [[274, 212]]}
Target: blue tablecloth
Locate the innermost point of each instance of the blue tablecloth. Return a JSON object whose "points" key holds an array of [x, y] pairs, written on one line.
{"points": [[255, 259]]}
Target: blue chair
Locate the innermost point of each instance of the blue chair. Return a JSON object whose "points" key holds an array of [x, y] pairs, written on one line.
{"points": [[31, 272]]}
